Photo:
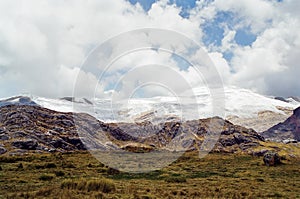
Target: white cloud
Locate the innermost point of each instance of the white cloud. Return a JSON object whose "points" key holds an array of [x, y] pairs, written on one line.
{"points": [[270, 65], [43, 43], [37, 38], [255, 13]]}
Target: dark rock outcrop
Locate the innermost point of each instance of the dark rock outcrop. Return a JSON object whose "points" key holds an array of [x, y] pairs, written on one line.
{"points": [[287, 130], [281, 99], [18, 100], [73, 99], [28, 144], [2, 150], [36, 128]]}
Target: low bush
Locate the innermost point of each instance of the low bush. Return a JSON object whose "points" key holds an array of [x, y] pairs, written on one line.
{"points": [[46, 177], [59, 173]]}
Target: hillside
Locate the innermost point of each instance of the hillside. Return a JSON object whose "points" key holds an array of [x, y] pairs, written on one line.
{"points": [[287, 131], [26, 128]]}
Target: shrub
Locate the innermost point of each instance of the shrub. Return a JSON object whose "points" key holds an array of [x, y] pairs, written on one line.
{"points": [[59, 173], [20, 166], [46, 177], [50, 165]]}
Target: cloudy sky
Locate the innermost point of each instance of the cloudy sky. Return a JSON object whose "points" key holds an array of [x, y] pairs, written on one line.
{"points": [[253, 44]]}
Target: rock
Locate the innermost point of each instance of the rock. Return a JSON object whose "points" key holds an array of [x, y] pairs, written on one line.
{"points": [[239, 138], [245, 146], [60, 143], [281, 99], [260, 152], [18, 134], [271, 159], [75, 141], [289, 129], [88, 101], [25, 144], [18, 152], [2, 150], [288, 141], [2, 130], [70, 99], [227, 141], [4, 137], [296, 112]]}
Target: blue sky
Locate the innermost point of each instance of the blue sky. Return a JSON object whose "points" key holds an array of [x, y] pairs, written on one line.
{"points": [[214, 30]]}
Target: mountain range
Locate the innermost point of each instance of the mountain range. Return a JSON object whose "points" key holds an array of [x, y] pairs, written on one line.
{"points": [[243, 107], [35, 124]]}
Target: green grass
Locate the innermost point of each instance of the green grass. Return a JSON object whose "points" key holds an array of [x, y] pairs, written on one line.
{"points": [[80, 175]]}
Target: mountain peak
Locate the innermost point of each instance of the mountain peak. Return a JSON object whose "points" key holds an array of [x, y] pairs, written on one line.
{"points": [[297, 112], [289, 129], [18, 100]]}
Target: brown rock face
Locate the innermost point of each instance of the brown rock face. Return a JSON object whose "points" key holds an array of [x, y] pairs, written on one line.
{"points": [[289, 129], [33, 128], [39, 129]]}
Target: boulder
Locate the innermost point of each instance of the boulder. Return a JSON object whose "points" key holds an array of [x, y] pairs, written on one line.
{"points": [[271, 159], [239, 138], [2, 150], [75, 141], [227, 141], [288, 141], [25, 144], [2, 130], [4, 137]]}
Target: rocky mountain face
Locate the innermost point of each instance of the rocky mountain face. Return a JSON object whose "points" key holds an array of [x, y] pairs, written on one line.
{"points": [[33, 128], [25, 128], [287, 131], [263, 120]]}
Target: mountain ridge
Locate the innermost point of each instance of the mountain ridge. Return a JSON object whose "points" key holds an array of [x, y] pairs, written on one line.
{"points": [[26, 128], [243, 107], [289, 130]]}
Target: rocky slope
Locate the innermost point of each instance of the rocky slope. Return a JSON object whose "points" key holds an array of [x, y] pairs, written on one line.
{"points": [[263, 120], [287, 131], [25, 128], [34, 128]]}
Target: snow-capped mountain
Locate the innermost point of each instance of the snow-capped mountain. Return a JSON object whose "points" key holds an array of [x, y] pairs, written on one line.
{"points": [[18, 100], [242, 106]]}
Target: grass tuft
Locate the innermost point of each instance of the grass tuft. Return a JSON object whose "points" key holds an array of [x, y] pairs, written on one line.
{"points": [[102, 185]]}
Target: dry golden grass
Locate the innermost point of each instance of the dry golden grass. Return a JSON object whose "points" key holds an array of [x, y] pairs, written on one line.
{"points": [[82, 176], [291, 150]]}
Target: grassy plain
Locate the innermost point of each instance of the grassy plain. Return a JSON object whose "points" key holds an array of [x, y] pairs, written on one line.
{"points": [[80, 175]]}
